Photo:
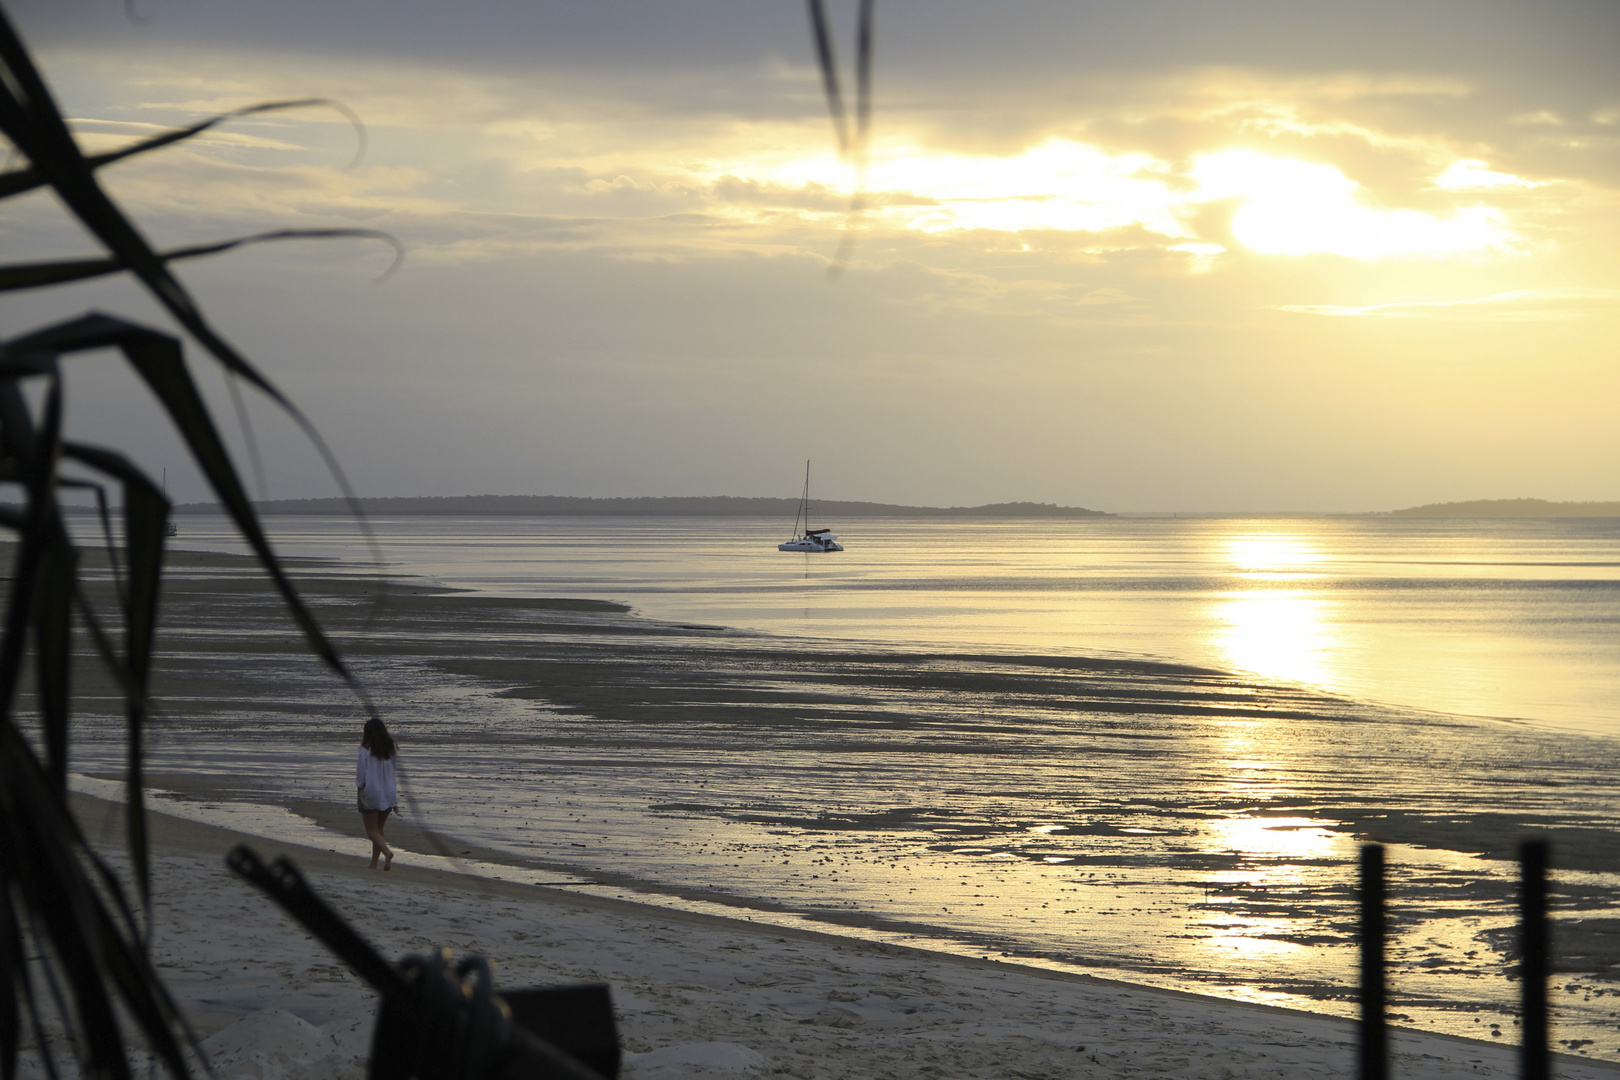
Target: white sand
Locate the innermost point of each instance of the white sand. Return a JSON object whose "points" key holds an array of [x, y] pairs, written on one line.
{"points": [[702, 996]]}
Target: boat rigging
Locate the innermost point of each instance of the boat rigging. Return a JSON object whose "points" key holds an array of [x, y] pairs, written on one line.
{"points": [[809, 539]]}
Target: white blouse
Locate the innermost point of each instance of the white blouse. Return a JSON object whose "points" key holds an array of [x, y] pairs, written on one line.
{"points": [[376, 776]]}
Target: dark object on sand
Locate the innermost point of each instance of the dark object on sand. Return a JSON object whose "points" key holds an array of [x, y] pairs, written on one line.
{"points": [[444, 1022], [1535, 961], [1374, 1044], [578, 1020], [1535, 964]]}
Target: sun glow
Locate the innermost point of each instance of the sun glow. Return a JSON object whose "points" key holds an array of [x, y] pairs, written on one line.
{"points": [[1275, 837], [1278, 633], [1290, 207], [1282, 206], [1058, 185], [1470, 174], [1272, 555]]}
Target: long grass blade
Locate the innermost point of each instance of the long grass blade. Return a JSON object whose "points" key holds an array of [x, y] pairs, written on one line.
{"points": [[30, 1001], [21, 445], [58, 897], [104, 517], [244, 421], [53, 597], [61, 272], [43, 839], [863, 75], [53, 650], [829, 73], [30, 118], [13, 969], [850, 146], [19, 181], [59, 1003], [146, 520], [45, 864], [157, 358]]}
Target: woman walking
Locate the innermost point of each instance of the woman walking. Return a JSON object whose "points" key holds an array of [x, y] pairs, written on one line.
{"points": [[376, 795]]}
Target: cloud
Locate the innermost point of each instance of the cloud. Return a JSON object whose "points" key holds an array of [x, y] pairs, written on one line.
{"points": [[1470, 174], [1518, 305], [1086, 230]]}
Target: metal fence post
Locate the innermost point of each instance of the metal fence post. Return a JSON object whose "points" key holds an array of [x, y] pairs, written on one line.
{"points": [[1535, 964], [1374, 1048]]}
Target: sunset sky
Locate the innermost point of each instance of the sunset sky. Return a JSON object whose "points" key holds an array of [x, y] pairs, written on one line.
{"points": [[1144, 256]]}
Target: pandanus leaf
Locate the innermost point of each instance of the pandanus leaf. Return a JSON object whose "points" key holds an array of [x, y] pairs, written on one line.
{"points": [[158, 359], [41, 861], [60, 272], [105, 518], [146, 523], [30, 119], [822, 34], [49, 896], [12, 959], [27, 179], [53, 648], [52, 616], [827, 61], [33, 451], [851, 145]]}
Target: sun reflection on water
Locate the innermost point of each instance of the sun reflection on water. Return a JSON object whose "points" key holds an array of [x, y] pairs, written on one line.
{"points": [[1275, 837], [1273, 555], [1276, 633], [1267, 627]]}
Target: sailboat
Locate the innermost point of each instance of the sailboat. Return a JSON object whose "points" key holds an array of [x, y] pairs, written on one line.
{"points": [[810, 539]]}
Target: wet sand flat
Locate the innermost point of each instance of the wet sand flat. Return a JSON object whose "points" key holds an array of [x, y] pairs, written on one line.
{"points": [[1177, 827], [700, 996]]}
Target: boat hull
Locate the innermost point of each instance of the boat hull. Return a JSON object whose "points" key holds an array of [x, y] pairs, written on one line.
{"points": [[810, 545]]}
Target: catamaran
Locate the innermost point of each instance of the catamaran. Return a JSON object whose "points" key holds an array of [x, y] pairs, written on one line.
{"points": [[810, 539]]}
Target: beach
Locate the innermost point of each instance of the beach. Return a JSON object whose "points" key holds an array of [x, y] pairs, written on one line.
{"points": [[1161, 825], [696, 995], [1201, 594]]}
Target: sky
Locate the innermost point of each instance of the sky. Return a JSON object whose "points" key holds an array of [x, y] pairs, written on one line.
{"points": [[1149, 256]]}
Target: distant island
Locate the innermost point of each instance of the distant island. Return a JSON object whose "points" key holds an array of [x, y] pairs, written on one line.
{"points": [[691, 506], [1512, 508]]}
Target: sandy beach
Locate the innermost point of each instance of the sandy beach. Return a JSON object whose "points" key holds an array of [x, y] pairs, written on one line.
{"points": [[701, 996], [1033, 853]]}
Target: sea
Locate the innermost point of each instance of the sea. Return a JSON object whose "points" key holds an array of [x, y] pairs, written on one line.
{"points": [[1463, 675], [1506, 618]]}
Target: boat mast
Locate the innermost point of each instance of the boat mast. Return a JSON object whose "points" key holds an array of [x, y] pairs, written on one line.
{"points": [[799, 512], [807, 497]]}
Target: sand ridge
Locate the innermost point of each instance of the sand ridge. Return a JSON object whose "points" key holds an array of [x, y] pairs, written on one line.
{"points": [[703, 996]]}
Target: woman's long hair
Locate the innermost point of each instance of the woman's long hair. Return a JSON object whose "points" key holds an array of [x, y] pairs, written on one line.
{"points": [[375, 738]]}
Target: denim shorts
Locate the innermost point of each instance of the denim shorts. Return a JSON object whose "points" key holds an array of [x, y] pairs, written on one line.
{"points": [[362, 804]]}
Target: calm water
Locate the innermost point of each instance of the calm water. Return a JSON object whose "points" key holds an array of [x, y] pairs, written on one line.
{"points": [[1179, 847], [1513, 619]]}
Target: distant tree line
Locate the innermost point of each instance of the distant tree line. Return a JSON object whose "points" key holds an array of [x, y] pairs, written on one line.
{"points": [[691, 506], [1514, 508]]}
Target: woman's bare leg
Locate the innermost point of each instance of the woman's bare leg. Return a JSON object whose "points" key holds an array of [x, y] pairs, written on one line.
{"points": [[373, 823], [388, 852]]}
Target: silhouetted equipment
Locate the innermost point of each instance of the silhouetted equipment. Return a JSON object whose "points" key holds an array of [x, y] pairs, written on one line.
{"points": [[444, 1021], [1374, 1044], [1535, 964]]}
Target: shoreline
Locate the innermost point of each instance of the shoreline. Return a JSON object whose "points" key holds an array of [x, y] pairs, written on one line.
{"points": [[895, 794], [838, 1001], [1312, 601]]}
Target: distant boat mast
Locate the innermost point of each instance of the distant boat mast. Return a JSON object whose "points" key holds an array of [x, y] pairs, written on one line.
{"points": [[804, 503]]}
